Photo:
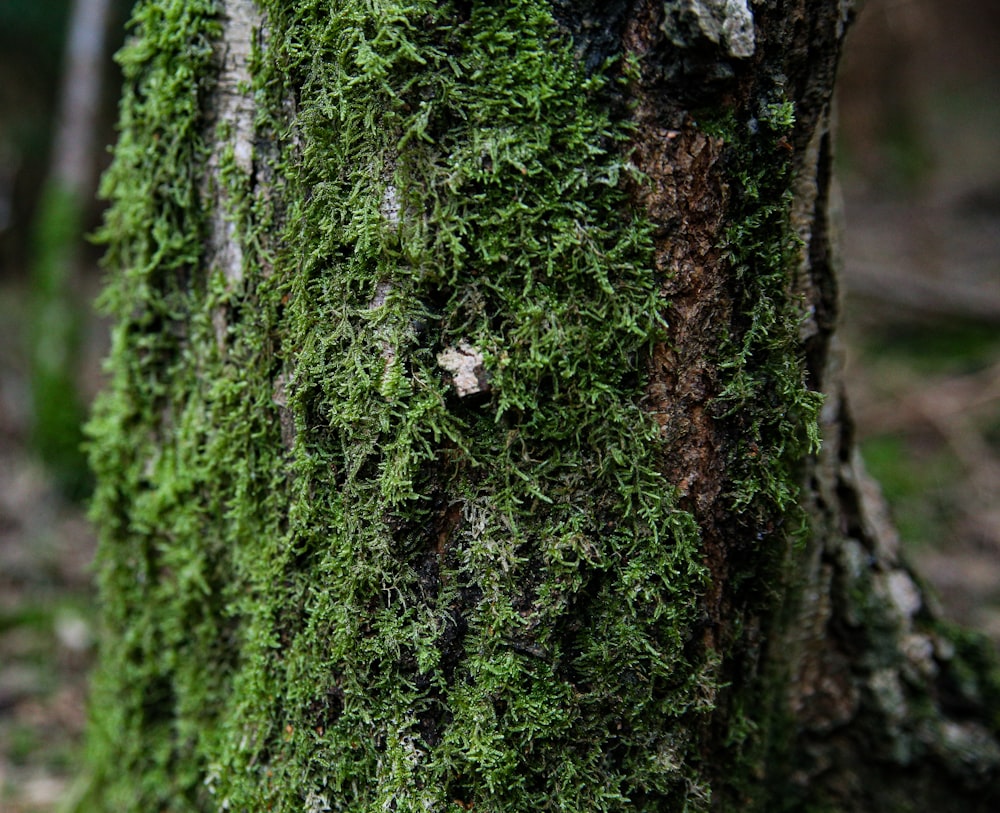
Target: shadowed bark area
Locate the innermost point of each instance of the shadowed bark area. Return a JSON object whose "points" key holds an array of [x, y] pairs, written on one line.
{"points": [[462, 450]]}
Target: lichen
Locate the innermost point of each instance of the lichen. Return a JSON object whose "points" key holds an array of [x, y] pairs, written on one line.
{"points": [[725, 23]]}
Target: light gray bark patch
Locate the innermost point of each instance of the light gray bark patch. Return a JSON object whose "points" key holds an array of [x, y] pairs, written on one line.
{"points": [[728, 23], [465, 363], [279, 397], [382, 291], [904, 594], [806, 191], [389, 355], [231, 129]]}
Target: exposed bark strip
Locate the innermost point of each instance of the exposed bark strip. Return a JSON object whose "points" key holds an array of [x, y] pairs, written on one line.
{"points": [[685, 195], [230, 124]]}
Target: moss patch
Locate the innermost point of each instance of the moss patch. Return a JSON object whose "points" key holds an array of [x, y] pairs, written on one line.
{"points": [[329, 581], [766, 396]]}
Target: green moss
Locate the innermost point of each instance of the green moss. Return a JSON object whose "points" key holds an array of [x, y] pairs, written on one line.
{"points": [[162, 565], [418, 601], [454, 674], [765, 394]]}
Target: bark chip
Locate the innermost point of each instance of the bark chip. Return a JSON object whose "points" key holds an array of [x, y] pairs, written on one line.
{"points": [[465, 363]]}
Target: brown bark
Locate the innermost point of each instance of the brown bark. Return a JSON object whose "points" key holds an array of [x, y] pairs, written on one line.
{"points": [[877, 716]]}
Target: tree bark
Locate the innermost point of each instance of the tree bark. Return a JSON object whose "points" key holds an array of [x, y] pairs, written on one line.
{"points": [[463, 447]]}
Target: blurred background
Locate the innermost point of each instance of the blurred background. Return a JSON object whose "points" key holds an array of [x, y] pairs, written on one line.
{"points": [[919, 166], [919, 169]]}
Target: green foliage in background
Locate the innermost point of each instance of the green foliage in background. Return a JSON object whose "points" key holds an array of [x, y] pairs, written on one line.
{"points": [[57, 410]]}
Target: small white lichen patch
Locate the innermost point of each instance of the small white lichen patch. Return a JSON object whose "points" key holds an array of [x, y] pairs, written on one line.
{"points": [[465, 363], [389, 207], [904, 594], [728, 23], [919, 653], [737, 27], [316, 803], [888, 693]]}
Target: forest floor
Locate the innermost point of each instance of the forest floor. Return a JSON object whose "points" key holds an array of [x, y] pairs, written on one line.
{"points": [[46, 602]]}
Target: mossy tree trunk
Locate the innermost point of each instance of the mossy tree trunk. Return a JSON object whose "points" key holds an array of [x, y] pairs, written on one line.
{"points": [[463, 450]]}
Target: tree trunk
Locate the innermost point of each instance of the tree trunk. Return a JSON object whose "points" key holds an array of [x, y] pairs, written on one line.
{"points": [[57, 410], [463, 451]]}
